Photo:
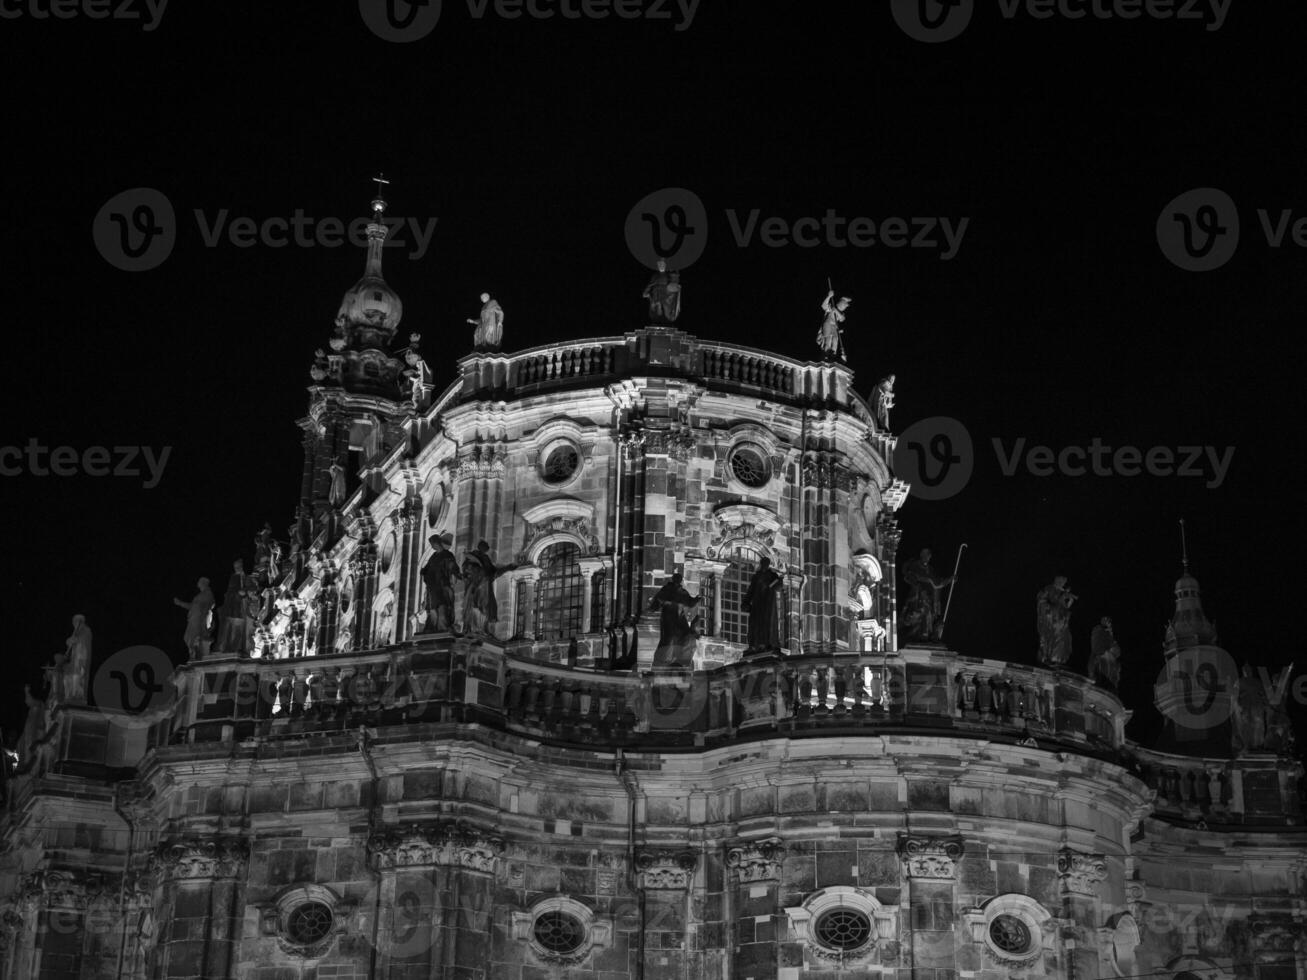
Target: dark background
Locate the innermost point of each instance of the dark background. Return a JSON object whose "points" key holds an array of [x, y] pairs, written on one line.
{"points": [[1058, 321]]}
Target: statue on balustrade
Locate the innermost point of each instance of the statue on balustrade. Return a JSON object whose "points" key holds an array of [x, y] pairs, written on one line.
{"points": [[480, 610], [1104, 655], [921, 610], [760, 604], [1053, 619], [236, 628], [418, 372], [336, 494], [664, 296], [489, 325], [884, 400], [439, 574], [77, 671], [263, 545], [199, 618], [1258, 724], [831, 335], [676, 636]]}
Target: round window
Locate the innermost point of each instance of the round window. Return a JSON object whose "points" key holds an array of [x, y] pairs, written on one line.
{"points": [[559, 932], [309, 923], [750, 467], [843, 929], [1010, 934], [561, 463]]}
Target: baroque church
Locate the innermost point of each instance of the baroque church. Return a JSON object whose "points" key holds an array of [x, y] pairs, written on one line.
{"points": [[590, 664]]}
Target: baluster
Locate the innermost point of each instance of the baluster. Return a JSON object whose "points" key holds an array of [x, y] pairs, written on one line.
{"points": [[823, 682], [532, 697], [513, 693]]}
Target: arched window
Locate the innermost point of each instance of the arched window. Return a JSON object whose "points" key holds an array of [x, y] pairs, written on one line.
{"points": [[559, 592], [735, 586]]}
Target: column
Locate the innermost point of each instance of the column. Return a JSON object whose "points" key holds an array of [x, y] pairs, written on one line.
{"points": [[889, 535], [591, 567]]}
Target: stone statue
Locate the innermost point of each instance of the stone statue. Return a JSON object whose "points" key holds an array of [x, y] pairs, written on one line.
{"points": [[884, 401], [677, 639], [829, 337], [56, 674], [336, 495], [236, 628], [921, 610], [33, 727], [866, 576], [1053, 619], [318, 372], [418, 373], [263, 544], [760, 604], [489, 326], [438, 574], [1104, 655], [344, 637], [199, 617], [78, 670], [480, 611], [1260, 724], [664, 295]]}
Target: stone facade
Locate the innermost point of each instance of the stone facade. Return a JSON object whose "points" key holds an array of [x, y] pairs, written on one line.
{"points": [[358, 795]]}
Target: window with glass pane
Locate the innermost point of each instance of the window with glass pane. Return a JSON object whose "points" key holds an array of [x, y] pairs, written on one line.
{"points": [[558, 593], [735, 585]]}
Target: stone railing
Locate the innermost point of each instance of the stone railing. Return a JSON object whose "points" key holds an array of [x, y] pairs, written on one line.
{"points": [[448, 680], [659, 352], [1252, 788]]}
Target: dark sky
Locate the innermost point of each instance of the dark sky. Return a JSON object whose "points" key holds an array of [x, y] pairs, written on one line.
{"points": [[1059, 320]]}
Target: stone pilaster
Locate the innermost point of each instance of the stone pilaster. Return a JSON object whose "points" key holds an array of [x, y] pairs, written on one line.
{"points": [[889, 536], [441, 875], [753, 883], [665, 877], [203, 884], [930, 865]]}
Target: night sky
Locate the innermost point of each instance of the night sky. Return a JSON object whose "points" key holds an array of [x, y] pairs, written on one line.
{"points": [[1059, 320]]}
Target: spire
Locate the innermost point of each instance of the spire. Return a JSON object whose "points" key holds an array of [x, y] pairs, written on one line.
{"points": [[377, 230], [370, 313], [1189, 627]]}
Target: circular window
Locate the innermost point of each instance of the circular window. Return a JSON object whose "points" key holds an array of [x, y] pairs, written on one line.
{"points": [[561, 463], [1010, 934], [309, 923], [843, 929], [559, 932], [750, 467]]}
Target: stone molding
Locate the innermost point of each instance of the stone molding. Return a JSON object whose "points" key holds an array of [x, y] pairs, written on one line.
{"points": [[666, 870], [450, 843], [930, 857], [757, 860], [1081, 874], [196, 858]]}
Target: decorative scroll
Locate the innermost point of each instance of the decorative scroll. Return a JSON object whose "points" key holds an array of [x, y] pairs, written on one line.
{"points": [[930, 857], [757, 860], [1081, 874], [454, 844], [65, 889], [666, 869]]}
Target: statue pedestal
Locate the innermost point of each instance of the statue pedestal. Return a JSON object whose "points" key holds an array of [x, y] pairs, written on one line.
{"points": [[646, 642]]}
